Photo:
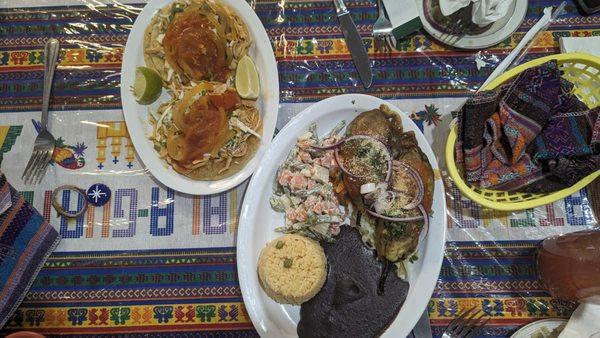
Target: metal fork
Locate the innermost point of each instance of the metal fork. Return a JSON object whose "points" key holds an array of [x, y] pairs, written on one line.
{"points": [[466, 325], [43, 146], [382, 31], [455, 31]]}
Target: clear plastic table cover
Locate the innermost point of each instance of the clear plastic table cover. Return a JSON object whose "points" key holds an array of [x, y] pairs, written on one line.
{"points": [[154, 262]]}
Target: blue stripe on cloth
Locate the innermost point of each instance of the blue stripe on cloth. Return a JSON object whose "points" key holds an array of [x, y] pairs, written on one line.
{"points": [[99, 270], [582, 145], [17, 223], [129, 255], [131, 302], [22, 243], [138, 286]]}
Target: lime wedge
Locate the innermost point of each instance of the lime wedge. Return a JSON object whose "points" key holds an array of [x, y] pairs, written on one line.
{"points": [[147, 86], [246, 79]]}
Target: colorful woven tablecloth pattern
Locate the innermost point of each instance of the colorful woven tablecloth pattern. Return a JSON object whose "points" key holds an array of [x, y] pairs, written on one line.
{"points": [[153, 262]]}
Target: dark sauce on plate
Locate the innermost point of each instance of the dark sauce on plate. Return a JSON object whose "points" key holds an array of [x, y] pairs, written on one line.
{"points": [[349, 304]]}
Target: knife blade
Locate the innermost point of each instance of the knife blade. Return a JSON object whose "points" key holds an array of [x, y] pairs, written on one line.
{"points": [[354, 43], [423, 327]]}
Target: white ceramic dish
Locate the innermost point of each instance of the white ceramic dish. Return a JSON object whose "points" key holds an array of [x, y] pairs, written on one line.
{"points": [[529, 329], [136, 115], [499, 30], [258, 221]]}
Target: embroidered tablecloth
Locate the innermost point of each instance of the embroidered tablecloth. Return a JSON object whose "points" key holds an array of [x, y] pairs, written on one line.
{"points": [[153, 262]]}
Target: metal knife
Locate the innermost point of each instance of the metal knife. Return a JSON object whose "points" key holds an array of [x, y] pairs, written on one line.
{"points": [[354, 43], [423, 327]]}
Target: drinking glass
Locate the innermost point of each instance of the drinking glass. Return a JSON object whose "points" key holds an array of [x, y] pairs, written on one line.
{"points": [[569, 265]]}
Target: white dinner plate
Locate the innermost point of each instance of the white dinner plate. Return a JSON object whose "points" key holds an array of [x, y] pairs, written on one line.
{"points": [[258, 221], [528, 330], [499, 30], [136, 115]]}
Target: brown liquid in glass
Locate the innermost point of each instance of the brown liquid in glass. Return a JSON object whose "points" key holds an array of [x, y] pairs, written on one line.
{"points": [[569, 265]]}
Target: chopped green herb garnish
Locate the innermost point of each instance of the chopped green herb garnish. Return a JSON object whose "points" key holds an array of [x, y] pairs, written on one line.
{"points": [[413, 258], [287, 263], [177, 8], [364, 150], [378, 160], [279, 245], [398, 229]]}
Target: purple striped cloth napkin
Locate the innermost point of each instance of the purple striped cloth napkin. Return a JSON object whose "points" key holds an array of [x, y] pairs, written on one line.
{"points": [[26, 241]]}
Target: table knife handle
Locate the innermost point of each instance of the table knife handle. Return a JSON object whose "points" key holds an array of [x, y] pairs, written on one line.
{"points": [[50, 58], [340, 7]]}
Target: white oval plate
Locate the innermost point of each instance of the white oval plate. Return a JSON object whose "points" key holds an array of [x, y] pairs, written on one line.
{"points": [[136, 115], [258, 221], [528, 330], [499, 30]]}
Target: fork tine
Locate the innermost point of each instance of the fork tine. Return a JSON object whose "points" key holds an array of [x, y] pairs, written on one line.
{"points": [[445, 36], [444, 33], [390, 40], [29, 164], [456, 321], [469, 324], [41, 172], [477, 329], [47, 164], [453, 32], [456, 28], [388, 45], [35, 172], [38, 157]]}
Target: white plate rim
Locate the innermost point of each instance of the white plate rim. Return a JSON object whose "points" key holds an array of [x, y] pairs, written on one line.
{"points": [[483, 41], [269, 99], [419, 292]]}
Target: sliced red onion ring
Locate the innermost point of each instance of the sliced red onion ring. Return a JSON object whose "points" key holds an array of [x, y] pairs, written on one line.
{"points": [[337, 145], [424, 216], [420, 186], [388, 174], [395, 219]]}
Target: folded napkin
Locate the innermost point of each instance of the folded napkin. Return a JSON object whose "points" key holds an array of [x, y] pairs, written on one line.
{"points": [[596, 136], [26, 241], [567, 134], [404, 16], [584, 322], [588, 44], [530, 135], [484, 12]]}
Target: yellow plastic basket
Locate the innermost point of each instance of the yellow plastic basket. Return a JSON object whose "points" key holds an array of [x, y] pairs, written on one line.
{"points": [[583, 70]]}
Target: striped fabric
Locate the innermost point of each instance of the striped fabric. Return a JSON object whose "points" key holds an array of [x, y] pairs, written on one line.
{"points": [[5, 200], [26, 241]]}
